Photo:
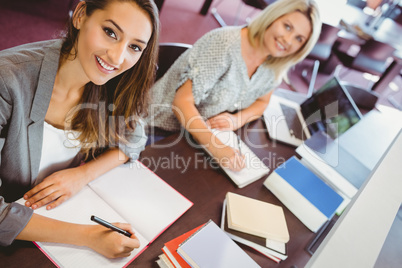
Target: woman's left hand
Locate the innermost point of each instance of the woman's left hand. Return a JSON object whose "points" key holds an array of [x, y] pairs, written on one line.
{"points": [[56, 188], [225, 121]]}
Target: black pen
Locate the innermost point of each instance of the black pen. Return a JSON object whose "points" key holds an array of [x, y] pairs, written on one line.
{"points": [[110, 226]]}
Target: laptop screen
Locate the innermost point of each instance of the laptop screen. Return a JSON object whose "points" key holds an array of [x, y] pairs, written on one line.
{"points": [[330, 109]]}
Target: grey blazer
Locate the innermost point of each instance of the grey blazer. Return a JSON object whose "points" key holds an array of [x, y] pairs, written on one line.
{"points": [[27, 75]]}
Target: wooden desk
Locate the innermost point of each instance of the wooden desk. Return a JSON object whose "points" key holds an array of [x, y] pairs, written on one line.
{"points": [[204, 186]]}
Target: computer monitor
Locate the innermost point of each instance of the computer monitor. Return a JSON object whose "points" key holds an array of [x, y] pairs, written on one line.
{"points": [[334, 118], [357, 237]]}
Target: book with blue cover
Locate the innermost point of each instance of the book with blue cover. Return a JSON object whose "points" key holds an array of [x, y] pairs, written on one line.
{"points": [[303, 193]]}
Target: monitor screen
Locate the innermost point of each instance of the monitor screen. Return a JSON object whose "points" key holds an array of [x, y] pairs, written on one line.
{"points": [[330, 109]]}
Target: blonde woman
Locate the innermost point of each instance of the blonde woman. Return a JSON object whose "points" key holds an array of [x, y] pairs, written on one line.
{"points": [[225, 79]]}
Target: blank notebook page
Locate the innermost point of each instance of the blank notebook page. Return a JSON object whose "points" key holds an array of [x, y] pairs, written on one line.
{"points": [[142, 198], [79, 209]]}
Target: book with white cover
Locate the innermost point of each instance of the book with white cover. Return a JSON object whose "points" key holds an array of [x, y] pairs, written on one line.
{"points": [[255, 169], [211, 247], [129, 193]]}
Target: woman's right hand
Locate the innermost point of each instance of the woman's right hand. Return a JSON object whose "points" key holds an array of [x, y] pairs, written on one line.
{"points": [[110, 243], [229, 157], [191, 119]]}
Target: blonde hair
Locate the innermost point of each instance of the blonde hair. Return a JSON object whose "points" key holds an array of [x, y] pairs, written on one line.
{"points": [[271, 13]]}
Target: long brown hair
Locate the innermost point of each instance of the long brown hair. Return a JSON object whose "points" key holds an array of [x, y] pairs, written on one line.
{"points": [[105, 111]]}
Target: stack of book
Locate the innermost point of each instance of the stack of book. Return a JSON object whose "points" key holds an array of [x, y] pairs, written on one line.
{"points": [[257, 224], [204, 246], [170, 257]]}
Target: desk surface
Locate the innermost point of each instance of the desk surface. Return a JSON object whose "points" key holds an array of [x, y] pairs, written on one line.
{"points": [[206, 187]]}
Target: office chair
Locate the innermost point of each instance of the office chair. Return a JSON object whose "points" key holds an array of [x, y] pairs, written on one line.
{"points": [[373, 58], [168, 53], [323, 48], [320, 54], [258, 4]]}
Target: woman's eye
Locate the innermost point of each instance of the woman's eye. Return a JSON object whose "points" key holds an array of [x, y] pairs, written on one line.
{"points": [[135, 48], [299, 39], [287, 27], [109, 32]]}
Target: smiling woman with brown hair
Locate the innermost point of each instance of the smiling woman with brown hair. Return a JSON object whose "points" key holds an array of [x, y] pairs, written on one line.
{"points": [[64, 101]]}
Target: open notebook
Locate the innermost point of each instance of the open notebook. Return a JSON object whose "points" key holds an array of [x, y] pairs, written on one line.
{"points": [[129, 193], [255, 169]]}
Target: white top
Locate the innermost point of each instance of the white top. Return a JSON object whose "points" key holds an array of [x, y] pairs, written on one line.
{"points": [[59, 150]]}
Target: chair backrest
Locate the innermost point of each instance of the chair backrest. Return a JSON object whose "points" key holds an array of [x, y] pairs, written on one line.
{"points": [[168, 53], [328, 34], [322, 49], [373, 57], [260, 4], [376, 50]]}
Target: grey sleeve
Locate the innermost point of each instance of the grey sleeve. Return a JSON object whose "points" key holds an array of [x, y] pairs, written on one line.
{"points": [[136, 141], [208, 60], [13, 218], [5, 105]]}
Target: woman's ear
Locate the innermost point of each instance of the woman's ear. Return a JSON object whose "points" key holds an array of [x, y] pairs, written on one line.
{"points": [[79, 14]]}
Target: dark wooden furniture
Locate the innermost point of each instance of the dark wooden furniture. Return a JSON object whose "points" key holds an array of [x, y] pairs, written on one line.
{"points": [[159, 4], [206, 186], [168, 54], [205, 7]]}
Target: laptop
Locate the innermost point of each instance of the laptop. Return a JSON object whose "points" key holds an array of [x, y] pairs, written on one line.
{"points": [[292, 118]]}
